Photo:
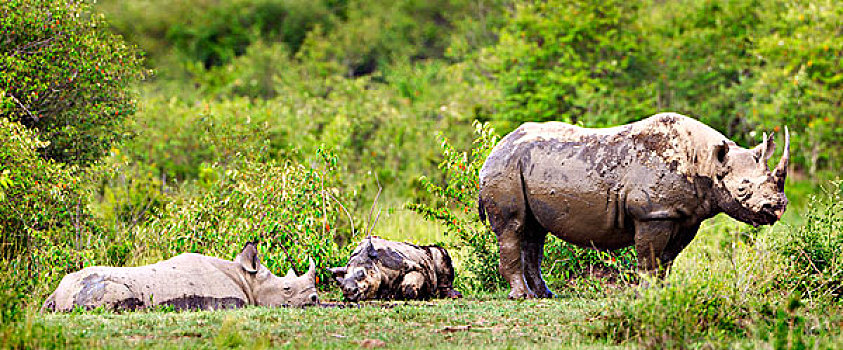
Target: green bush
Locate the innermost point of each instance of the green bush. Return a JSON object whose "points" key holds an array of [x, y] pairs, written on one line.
{"points": [[372, 34], [814, 250], [38, 195], [292, 211], [127, 194], [564, 60], [214, 35], [370, 128], [46, 228], [759, 283], [66, 76], [451, 204]]}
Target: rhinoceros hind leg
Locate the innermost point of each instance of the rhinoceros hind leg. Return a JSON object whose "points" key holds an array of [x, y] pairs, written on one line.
{"points": [[511, 267], [532, 251], [503, 201]]}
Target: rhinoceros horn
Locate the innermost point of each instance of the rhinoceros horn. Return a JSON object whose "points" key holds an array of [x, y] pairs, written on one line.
{"points": [[311, 271], [781, 169]]}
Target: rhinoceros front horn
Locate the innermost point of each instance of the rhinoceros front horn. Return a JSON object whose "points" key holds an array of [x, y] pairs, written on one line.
{"points": [[781, 169], [311, 271]]}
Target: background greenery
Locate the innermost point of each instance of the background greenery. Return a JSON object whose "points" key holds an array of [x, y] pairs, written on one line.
{"points": [[131, 131]]}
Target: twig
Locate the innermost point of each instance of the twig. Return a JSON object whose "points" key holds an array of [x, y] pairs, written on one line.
{"points": [[344, 210], [809, 260], [287, 253], [34, 118], [369, 224], [324, 205]]}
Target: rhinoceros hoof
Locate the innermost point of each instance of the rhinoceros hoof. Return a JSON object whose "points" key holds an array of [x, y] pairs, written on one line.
{"points": [[521, 295], [547, 294]]}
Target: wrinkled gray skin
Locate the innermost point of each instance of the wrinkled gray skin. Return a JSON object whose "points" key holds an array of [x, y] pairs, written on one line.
{"points": [[648, 184], [381, 269], [187, 281]]}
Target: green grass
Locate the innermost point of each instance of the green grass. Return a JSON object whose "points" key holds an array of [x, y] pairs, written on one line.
{"points": [[728, 276], [485, 321]]}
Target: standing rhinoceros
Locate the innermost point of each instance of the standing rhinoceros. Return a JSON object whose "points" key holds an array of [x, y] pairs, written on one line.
{"points": [[649, 183], [187, 281], [381, 269]]}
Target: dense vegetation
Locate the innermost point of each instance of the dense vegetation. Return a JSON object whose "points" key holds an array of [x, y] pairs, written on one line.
{"points": [[281, 120]]}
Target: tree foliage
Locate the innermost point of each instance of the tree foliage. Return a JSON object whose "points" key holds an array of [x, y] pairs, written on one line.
{"points": [[563, 60], [63, 74], [742, 67]]}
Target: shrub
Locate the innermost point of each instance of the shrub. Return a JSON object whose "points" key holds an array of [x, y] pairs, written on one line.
{"points": [[45, 225], [214, 35], [368, 126], [452, 203], [564, 60], [372, 34], [66, 76], [814, 250], [291, 210], [759, 283]]}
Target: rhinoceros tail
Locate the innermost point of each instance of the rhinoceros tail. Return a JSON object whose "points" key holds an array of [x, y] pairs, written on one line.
{"points": [[481, 209]]}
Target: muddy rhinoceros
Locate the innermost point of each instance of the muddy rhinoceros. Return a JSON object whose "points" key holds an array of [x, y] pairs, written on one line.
{"points": [[382, 269], [187, 281], [649, 184]]}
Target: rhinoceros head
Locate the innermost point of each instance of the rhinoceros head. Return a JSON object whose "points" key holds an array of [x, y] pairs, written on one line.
{"points": [[745, 188], [361, 278], [271, 290]]}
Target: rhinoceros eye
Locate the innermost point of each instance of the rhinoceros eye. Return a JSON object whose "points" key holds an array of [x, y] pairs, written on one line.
{"points": [[359, 275]]}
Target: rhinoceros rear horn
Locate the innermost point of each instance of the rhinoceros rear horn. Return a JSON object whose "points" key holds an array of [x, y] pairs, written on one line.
{"points": [[781, 169], [764, 151]]}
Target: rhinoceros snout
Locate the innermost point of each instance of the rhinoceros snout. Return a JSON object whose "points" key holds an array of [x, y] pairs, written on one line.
{"points": [[772, 212], [351, 294]]}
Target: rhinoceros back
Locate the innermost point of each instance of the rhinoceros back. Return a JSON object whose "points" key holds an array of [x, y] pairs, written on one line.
{"points": [[587, 185], [188, 281]]}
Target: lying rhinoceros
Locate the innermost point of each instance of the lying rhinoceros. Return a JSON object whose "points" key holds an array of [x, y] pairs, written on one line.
{"points": [[381, 269], [187, 281], [648, 184]]}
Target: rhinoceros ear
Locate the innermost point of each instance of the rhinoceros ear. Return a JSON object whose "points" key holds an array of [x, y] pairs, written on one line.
{"points": [[369, 249], [720, 152], [248, 258], [338, 273]]}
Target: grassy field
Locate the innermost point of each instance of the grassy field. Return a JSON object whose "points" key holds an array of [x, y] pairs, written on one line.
{"points": [[581, 316], [485, 321]]}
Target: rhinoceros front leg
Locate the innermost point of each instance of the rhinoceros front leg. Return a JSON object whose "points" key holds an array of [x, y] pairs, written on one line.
{"points": [[413, 286], [532, 251], [677, 244], [651, 240]]}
